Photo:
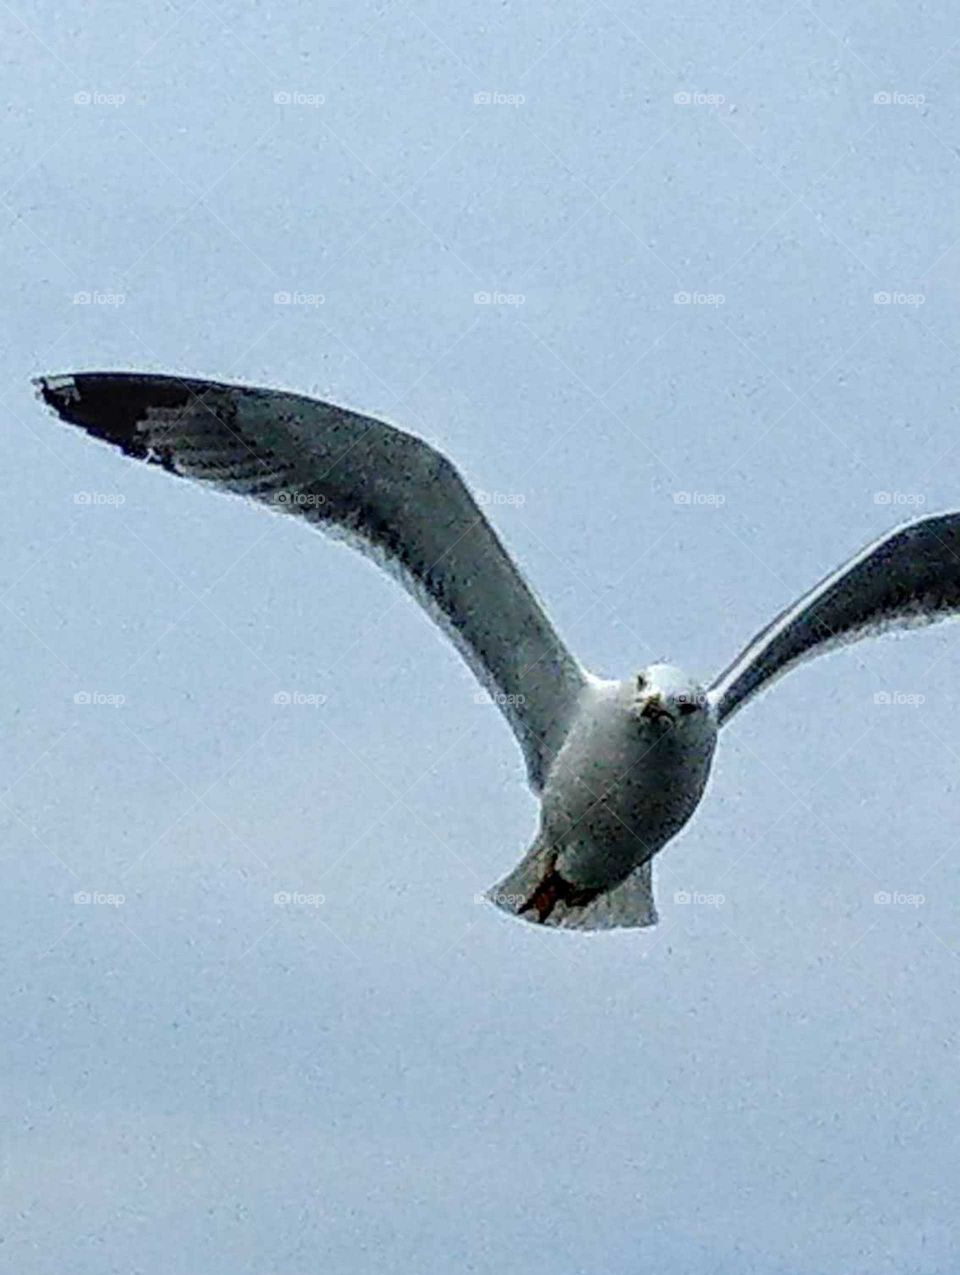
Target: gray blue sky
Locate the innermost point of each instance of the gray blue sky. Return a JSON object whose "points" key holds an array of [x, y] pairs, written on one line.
{"points": [[399, 1079]]}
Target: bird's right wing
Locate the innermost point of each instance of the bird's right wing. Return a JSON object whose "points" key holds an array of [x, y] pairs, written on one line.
{"points": [[909, 576], [389, 493]]}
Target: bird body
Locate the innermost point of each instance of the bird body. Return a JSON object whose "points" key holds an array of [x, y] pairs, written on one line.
{"points": [[628, 776], [619, 766]]}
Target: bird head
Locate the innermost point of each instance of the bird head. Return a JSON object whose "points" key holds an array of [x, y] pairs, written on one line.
{"points": [[668, 699]]}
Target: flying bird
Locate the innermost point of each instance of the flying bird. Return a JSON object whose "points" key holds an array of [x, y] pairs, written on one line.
{"points": [[619, 765]]}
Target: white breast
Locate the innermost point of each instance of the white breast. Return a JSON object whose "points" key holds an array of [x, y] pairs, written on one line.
{"points": [[620, 787]]}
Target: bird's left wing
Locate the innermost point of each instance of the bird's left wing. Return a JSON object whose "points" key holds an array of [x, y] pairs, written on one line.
{"points": [[389, 493], [910, 576]]}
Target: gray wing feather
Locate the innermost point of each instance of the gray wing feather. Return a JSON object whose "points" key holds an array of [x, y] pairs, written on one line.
{"points": [[909, 576], [388, 493]]}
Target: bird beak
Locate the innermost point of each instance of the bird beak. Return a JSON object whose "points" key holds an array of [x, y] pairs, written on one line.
{"points": [[655, 710]]}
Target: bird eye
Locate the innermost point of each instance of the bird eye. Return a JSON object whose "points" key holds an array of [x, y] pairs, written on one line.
{"points": [[641, 681]]}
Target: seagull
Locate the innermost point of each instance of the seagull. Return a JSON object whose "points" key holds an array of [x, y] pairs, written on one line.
{"points": [[619, 765]]}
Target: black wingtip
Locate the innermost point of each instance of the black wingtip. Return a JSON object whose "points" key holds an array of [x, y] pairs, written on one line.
{"points": [[112, 405], [55, 391]]}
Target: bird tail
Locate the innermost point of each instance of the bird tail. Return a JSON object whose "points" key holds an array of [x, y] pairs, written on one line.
{"points": [[534, 892]]}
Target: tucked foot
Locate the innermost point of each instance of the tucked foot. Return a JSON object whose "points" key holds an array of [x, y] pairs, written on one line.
{"points": [[554, 889]]}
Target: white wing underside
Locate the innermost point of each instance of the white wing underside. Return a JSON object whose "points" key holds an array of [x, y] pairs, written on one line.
{"points": [[385, 492]]}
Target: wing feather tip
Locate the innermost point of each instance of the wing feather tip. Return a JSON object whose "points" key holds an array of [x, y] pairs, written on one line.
{"points": [[110, 406]]}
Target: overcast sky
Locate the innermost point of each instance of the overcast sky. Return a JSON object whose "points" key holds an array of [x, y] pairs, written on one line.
{"points": [[383, 1075]]}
